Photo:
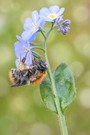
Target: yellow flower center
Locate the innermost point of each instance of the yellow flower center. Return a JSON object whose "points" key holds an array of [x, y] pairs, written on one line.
{"points": [[52, 16], [26, 49], [33, 26]]}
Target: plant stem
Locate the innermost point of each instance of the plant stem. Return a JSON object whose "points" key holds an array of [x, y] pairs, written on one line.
{"points": [[61, 117], [36, 47]]}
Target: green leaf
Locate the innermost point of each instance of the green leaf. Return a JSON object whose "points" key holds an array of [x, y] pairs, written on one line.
{"points": [[65, 86], [47, 95]]}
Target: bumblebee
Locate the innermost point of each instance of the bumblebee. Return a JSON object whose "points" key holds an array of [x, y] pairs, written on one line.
{"points": [[33, 74]]}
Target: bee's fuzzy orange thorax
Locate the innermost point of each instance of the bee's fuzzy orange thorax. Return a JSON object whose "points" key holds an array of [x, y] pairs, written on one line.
{"points": [[40, 79]]}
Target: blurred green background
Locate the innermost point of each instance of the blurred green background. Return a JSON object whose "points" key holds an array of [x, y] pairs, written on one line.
{"points": [[22, 111]]}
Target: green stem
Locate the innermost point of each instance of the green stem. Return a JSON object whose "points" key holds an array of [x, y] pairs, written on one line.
{"points": [[61, 117], [34, 44], [42, 33], [36, 54], [36, 47]]}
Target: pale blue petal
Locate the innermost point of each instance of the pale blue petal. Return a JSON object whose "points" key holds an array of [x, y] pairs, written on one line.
{"points": [[45, 18], [29, 35], [17, 62], [44, 11], [60, 11], [42, 23], [35, 17], [54, 9], [27, 23], [26, 35], [29, 58], [33, 37], [18, 48], [20, 39], [27, 45]]}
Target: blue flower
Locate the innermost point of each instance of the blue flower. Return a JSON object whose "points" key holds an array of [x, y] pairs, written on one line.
{"points": [[17, 62], [22, 49], [58, 21], [64, 27], [51, 13], [31, 26]]}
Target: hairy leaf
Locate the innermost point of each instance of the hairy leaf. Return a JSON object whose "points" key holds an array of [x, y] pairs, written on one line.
{"points": [[65, 86]]}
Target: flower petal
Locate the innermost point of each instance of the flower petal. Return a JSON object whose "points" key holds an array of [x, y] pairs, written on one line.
{"points": [[27, 23], [35, 17], [29, 35], [29, 58], [44, 11], [17, 62], [42, 23], [18, 48], [26, 35], [20, 39], [51, 14], [54, 9], [60, 11]]}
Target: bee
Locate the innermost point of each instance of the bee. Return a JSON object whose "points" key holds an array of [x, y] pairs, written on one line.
{"points": [[33, 74]]}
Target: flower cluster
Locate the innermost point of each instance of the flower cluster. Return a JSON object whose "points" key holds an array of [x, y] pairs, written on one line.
{"points": [[32, 26]]}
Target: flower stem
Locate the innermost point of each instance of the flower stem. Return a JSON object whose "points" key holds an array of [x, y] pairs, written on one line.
{"points": [[61, 117], [36, 47]]}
